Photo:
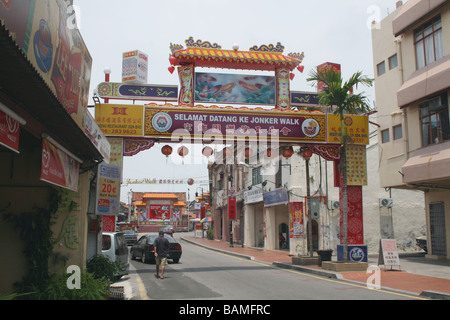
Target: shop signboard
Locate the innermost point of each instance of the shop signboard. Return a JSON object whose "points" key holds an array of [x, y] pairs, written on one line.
{"points": [[231, 208], [9, 132], [253, 196], [388, 254], [134, 67], [357, 128], [108, 189], [120, 120], [58, 167], [98, 139], [275, 197]]}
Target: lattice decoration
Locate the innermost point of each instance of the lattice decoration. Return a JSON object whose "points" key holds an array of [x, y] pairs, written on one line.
{"points": [[296, 55], [268, 48], [201, 44]]}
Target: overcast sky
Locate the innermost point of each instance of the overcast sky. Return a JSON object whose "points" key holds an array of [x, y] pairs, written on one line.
{"points": [[325, 30]]}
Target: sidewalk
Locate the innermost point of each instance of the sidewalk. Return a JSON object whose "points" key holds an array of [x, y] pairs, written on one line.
{"points": [[417, 275]]}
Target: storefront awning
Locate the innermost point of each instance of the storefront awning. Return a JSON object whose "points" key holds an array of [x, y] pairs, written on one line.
{"points": [[429, 165], [423, 83]]}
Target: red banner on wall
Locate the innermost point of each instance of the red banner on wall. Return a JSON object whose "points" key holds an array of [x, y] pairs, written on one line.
{"points": [[296, 224], [232, 208], [9, 132], [58, 167]]}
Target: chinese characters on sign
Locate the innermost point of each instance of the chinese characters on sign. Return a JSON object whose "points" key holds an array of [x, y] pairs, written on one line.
{"points": [[120, 120], [388, 255]]}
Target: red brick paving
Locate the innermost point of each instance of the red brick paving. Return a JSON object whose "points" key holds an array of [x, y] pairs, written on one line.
{"points": [[393, 279]]}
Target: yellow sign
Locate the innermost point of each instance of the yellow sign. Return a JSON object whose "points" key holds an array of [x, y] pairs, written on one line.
{"points": [[120, 120], [357, 128], [356, 165]]}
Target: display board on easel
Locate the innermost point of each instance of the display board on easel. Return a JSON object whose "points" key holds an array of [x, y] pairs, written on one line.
{"points": [[388, 253]]}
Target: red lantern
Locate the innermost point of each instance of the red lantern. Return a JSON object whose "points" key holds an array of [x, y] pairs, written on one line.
{"points": [[291, 76], [183, 151], [287, 153], [307, 153], [171, 69], [301, 68], [172, 60], [207, 151], [166, 150]]}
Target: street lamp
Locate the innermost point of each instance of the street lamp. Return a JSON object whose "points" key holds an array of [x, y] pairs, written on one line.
{"points": [[306, 154]]}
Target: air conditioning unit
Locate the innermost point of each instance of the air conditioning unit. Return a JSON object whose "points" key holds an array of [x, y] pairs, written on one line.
{"points": [[386, 202], [334, 205]]}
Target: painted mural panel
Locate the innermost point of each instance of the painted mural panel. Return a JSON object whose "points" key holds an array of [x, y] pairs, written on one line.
{"points": [[234, 88]]}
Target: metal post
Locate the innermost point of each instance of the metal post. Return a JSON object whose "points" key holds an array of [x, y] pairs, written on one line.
{"points": [[308, 203]]}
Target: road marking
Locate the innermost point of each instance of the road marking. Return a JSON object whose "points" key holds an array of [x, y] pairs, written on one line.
{"points": [[141, 287], [317, 277]]}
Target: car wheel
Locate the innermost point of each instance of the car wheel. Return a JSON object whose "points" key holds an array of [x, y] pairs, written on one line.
{"points": [[176, 260]]}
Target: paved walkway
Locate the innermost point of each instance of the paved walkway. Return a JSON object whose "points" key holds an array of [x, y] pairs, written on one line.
{"points": [[418, 275]]}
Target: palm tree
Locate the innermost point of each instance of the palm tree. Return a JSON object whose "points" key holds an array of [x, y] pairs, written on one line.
{"points": [[338, 95]]}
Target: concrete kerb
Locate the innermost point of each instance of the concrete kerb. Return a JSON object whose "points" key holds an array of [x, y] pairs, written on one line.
{"points": [[318, 272], [243, 256]]}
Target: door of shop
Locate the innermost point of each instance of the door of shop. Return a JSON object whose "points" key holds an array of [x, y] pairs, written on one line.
{"points": [[437, 229]]}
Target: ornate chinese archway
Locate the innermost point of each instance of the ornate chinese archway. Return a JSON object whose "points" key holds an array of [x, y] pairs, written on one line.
{"points": [[141, 126]]}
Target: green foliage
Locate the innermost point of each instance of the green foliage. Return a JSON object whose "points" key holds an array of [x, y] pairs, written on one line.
{"points": [[338, 94], [210, 234], [34, 228], [91, 288], [103, 268]]}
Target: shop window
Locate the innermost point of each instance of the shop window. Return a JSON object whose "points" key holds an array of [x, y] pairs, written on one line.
{"points": [[428, 42], [385, 136], [434, 119]]}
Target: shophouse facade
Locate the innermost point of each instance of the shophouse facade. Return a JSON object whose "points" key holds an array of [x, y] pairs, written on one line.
{"points": [[47, 153], [411, 51]]}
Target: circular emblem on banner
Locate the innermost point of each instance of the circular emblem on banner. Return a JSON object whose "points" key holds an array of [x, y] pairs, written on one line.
{"points": [[161, 122], [310, 128], [356, 254]]}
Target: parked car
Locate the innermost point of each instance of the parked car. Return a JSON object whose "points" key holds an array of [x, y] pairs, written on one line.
{"points": [[145, 250], [422, 243], [168, 230], [130, 237], [114, 246]]}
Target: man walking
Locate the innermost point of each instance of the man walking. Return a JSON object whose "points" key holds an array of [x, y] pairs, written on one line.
{"points": [[161, 248]]}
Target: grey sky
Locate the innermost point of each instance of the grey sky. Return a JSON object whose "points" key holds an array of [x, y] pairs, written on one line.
{"points": [[325, 30]]}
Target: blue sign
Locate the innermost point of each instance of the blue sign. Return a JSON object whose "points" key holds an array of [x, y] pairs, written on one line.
{"points": [[357, 253], [275, 197], [304, 99]]}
